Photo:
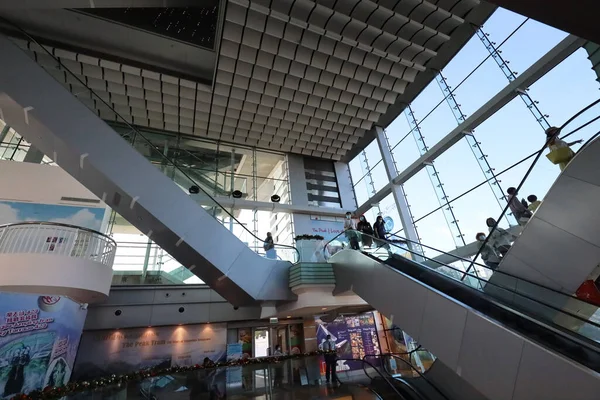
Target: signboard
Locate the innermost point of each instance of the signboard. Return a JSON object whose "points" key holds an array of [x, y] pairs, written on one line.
{"points": [[128, 350], [327, 229]]}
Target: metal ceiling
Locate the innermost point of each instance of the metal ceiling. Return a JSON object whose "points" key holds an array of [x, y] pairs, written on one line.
{"points": [[292, 75]]}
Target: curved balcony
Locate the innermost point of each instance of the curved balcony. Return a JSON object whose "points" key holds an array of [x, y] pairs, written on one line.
{"points": [[56, 259]]}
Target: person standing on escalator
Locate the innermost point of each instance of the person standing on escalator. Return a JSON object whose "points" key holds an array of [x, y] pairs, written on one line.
{"points": [[519, 210], [500, 239], [380, 233], [350, 231], [488, 253], [365, 227], [560, 151]]}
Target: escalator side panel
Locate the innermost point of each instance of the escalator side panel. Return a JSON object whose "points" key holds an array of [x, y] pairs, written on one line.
{"points": [[62, 127], [487, 355], [560, 245]]}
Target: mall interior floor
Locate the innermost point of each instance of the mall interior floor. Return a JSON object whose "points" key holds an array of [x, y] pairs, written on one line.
{"points": [[321, 392]]}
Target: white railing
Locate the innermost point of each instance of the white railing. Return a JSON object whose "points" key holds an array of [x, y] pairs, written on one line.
{"points": [[57, 239]]}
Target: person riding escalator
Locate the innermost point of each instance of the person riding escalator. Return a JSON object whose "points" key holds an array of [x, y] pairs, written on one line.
{"points": [[365, 227]]}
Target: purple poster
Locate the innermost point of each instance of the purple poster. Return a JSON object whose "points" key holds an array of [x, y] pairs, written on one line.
{"points": [[355, 337]]}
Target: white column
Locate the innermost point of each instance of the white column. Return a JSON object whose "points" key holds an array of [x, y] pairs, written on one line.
{"points": [[397, 190]]}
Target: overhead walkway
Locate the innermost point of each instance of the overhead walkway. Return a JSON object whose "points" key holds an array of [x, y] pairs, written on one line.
{"points": [[61, 126], [560, 245], [506, 347]]}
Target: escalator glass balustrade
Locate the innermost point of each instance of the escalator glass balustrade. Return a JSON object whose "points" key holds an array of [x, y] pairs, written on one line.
{"points": [[556, 319]]}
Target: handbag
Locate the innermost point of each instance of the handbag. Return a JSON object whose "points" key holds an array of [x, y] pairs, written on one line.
{"points": [[560, 155]]}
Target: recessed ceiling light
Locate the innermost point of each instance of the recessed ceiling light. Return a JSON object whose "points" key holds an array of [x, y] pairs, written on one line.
{"points": [[289, 316], [324, 308]]}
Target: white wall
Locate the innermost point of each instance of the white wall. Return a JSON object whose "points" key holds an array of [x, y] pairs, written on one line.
{"points": [[37, 183], [45, 184]]}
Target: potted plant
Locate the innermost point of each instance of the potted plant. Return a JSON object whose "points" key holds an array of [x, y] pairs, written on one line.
{"points": [[307, 246]]}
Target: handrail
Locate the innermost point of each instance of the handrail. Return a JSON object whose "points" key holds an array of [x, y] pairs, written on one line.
{"points": [[363, 361], [31, 237], [421, 375], [505, 170], [524, 179], [134, 129], [479, 279], [81, 228], [458, 258]]}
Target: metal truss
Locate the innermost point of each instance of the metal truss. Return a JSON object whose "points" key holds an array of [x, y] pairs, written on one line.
{"points": [[475, 146], [511, 76], [434, 177]]}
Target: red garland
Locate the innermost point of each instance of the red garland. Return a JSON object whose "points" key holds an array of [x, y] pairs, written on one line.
{"points": [[71, 388]]}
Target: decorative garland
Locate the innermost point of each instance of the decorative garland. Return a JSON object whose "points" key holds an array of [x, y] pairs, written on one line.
{"points": [[309, 237], [72, 388]]}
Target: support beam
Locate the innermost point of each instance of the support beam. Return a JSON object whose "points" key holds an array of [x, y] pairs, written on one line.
{"points": [[554, 57], [577, 17], [398, 191]]}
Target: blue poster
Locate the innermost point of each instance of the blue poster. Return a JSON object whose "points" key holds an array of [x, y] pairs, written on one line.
{"points": [[39, 337], [85, 217]]}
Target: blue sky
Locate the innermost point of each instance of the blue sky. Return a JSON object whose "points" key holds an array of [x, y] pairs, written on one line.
{"points": [[507, 137]]}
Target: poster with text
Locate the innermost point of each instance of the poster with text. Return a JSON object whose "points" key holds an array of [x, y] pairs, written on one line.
{"points": [[39, 336], [128, 350], [354, 336], [328, 229]]}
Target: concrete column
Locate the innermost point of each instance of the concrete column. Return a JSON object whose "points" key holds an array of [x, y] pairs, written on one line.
{"points": [[344, 184], [410, 231], [297, 178]]}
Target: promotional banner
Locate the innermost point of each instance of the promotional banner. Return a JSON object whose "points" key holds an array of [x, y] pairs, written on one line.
{"points": [[39, 336], [354, 336], [122, 351], [245, 338]]}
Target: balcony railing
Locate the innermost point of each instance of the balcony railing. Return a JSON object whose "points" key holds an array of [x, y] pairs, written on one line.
{"points": [[57, 239]]}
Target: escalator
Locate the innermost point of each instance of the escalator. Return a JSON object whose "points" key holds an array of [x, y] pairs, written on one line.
{"points": [[505, 346], [62, 126]]}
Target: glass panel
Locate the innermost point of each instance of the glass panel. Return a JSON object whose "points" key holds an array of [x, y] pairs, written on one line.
{"points": [[528, 44], [191, 165], [433, 123]]}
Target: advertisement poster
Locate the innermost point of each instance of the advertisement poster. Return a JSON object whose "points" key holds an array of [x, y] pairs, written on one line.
{"points": [[245, 338], [355, 336], [234, 374], [122, 351], [296, 338], [39, 336]]}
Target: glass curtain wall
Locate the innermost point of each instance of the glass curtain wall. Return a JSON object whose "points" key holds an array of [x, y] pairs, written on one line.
{"points": [[511, 134], [219, 169]]}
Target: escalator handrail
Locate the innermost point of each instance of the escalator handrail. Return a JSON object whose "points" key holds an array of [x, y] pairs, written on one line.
{"points": [[387, 242], [365, 362], [499, 301], [134, 129], [526, 176], [578, 347], [421, 375], [458, 258]]}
